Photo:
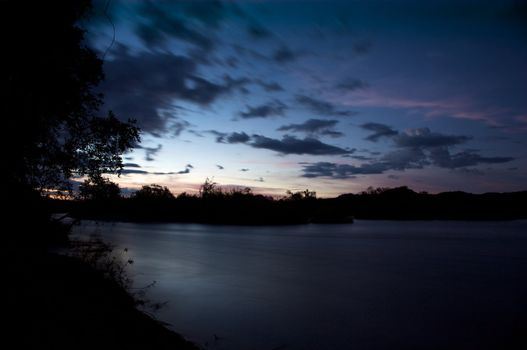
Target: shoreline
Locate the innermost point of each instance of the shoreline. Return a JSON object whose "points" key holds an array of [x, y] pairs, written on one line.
{"points": [[62, 302]]}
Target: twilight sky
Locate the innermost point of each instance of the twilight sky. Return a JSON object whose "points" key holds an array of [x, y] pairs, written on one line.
{"points": [[334, 96]]}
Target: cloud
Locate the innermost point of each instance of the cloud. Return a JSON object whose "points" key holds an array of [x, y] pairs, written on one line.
{"points": [[271, 109], [237, 137], [314, 126], [162, 173], [221, 167], [145, 87], [178, 125], [256, 31], [414, 149], [423, 137], [362, 47], [189, 21], [287, 145], [133, 171], [352, 85], [331, 133], [340, 171], [233, 137], [379, 130], [244, 170], [131, 165], [444, 159], [187, 169], [150, 152], [292, 145], [269, 86], [322, 107], [284, 55]]}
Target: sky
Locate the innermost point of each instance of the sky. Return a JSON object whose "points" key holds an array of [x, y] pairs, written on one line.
{"points": [[331, 96]]}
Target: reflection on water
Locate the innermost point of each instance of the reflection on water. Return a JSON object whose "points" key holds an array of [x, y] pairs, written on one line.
{"points": [[369, 285]]}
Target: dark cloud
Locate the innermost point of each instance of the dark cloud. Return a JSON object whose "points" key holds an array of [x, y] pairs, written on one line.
{"points": [[233, 137], [362, 46], [256, 31], [287, 145], [352, 85], [143, 172], [158, 22], [163, 173], [322, 107], [244, 170], [404, 158], [358, 157], [284, 55], [131, 165], [145, 87], [178, 125], [237, 137], [220, 136], [415, 149], [187, 169], [401, 159], [314, 126], [331, 133], [397, 160], [269, 86], [425, 138], [270, 109], [292, 145], [442, 157], [379, 130], [133, 171], [150, 152], [232, 62], [340, 171]]}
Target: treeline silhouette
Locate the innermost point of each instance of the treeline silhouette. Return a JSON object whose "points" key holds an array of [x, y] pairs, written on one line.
{"points": [[215, 205]]}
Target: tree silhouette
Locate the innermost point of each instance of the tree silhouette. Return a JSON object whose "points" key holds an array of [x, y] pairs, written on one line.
{"points": [[153, 192], [99, 189], [50, 106]]}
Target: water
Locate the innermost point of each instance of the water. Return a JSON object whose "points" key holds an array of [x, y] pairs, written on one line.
{"points": [[368, 285]]}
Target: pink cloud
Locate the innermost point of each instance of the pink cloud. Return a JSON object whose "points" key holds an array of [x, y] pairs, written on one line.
{"points": [[461, 108]]}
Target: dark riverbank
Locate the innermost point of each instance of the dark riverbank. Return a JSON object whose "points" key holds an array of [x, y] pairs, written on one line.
{"points": [[60, 302], [250, 209]]}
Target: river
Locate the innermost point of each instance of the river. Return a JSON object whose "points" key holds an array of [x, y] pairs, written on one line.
{"points": [[368, 285]]}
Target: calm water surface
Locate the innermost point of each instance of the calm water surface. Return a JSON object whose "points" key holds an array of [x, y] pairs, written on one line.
{"points": [[368, 285]]}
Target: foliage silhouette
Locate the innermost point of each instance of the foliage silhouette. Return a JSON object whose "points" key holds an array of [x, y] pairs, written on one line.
{"points": [[53, 131], [99, 188], [50, 102], [215, 205], [153, 192]]}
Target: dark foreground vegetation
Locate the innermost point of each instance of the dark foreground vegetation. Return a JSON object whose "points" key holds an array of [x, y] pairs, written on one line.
{"points": [[240, 206], [64, 303], [53, 128]]}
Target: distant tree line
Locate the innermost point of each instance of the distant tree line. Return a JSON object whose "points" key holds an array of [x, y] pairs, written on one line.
{"points": [[213, 204]]}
